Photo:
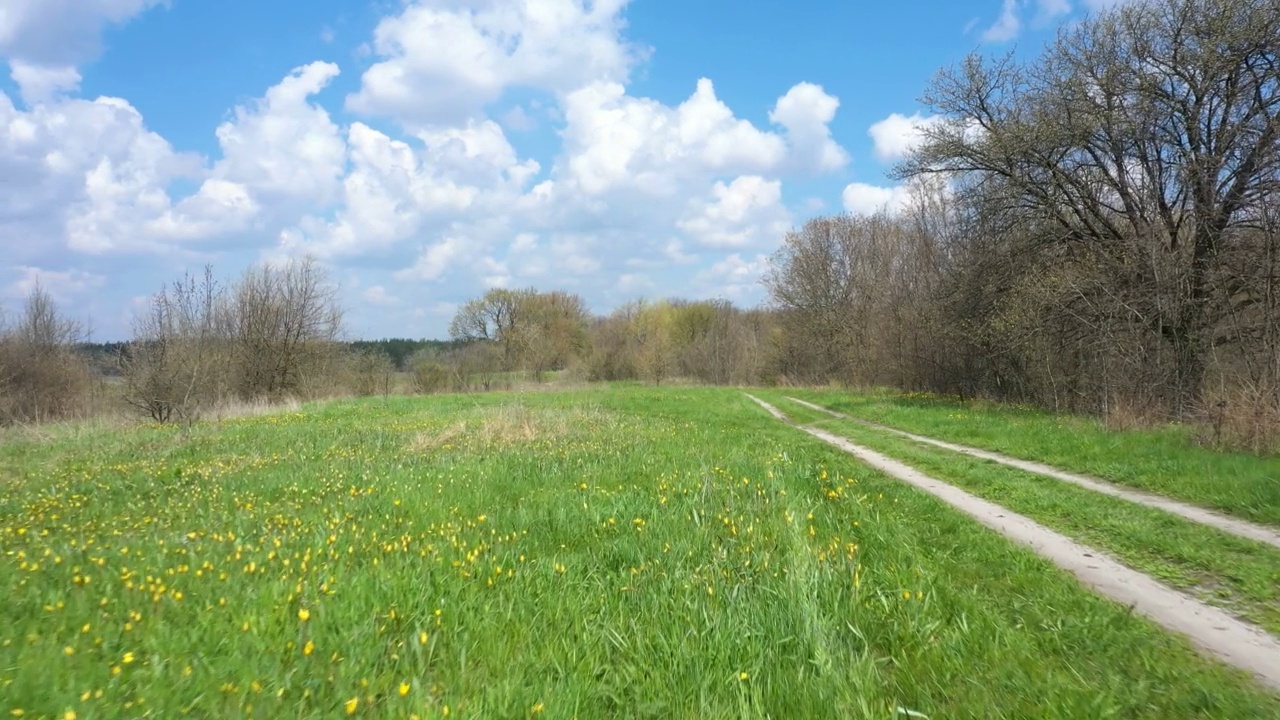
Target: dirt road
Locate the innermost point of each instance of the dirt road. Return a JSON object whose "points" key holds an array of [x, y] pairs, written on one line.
{"points": [[1210, 630], [1234, 526]]}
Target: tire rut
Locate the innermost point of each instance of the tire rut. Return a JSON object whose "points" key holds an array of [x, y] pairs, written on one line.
{"points": [[1210, 630], [1194, 513]]}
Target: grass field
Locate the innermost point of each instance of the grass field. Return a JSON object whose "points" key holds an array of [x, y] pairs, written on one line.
{"points": [[612, 552], [1164, 460]]}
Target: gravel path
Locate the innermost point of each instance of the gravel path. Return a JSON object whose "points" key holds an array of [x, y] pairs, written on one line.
{"points": [[1234, 526], [1212, 631]]}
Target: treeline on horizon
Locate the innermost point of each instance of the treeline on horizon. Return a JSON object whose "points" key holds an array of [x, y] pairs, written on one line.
{"points": [[1095, 229]]}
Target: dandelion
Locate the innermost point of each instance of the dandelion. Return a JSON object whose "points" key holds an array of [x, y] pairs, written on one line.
{"points": [[906, 594], [537, 708], [68, 651], [304, 614], [422, 638], [128, 658], [308, 648], [404, 689], [351, 705], [742, 676]]}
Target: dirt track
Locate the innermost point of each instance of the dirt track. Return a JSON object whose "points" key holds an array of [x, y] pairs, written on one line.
{"points": [[1234, 526], [1210, 630]]}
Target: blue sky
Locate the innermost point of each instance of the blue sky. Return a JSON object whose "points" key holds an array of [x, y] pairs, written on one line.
{"points": [[426, 150]]}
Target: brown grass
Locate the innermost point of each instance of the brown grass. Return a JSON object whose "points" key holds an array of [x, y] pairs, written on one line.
{"points": [[515, 424], [231, 409], [1246, 417]]}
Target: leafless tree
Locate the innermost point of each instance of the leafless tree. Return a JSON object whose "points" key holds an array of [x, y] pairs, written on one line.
{"points": [[284, 321], [176, 364], [41, 375], [1139, 143]]}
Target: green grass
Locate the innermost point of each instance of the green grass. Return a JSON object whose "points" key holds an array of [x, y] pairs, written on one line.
{"points": [[1239, 575], [626, 552], [1163, 460]]}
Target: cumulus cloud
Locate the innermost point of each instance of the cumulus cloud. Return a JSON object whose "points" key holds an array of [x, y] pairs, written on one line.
{"points": [[612, 139], [84, 172], [60, 33], [863, 199], [745, 212], [283, 147], [443, 61], [897, 135], [805, 112], [39, 84]]}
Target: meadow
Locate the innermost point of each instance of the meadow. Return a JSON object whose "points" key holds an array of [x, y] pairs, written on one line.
{"points": [[605, 552]]}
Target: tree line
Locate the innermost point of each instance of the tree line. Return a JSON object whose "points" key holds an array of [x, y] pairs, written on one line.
{"points": [[1093, 229]]}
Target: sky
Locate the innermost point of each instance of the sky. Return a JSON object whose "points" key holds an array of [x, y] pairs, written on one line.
{"points": [[427, 150]]}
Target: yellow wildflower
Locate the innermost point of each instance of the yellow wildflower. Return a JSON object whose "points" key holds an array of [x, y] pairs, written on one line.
{"points": [[351, 705], [404, 689], [304, 614]]}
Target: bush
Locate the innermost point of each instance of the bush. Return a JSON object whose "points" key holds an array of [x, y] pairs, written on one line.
{"points": [[430, 375], [42, 378]]}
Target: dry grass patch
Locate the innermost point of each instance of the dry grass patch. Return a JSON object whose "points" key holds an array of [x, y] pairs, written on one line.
{"points": [[233, 409], [515, 424]]}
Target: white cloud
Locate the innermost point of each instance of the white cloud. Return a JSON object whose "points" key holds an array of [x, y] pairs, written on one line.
{"points": [[84, 172], [61, 32], [40, 84], [734, 278], [897, 135], [1007, 26], [434, 260], [443, 61], [612, 139], [1049, 9], [746, 212], [283, 147], [63, 286], [805, 112], [864, 199], [517, 119], [378, 295]]}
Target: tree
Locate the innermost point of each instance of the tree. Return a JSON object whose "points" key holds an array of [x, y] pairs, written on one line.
{"points": [[177, 362], [1141, 143], [41, 376], [534, 331], [284, 321]]}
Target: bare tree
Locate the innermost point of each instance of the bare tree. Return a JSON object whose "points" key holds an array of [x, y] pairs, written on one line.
{"points": [[1140, 141], [176, 363], [284, 321], [41, 376]]}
